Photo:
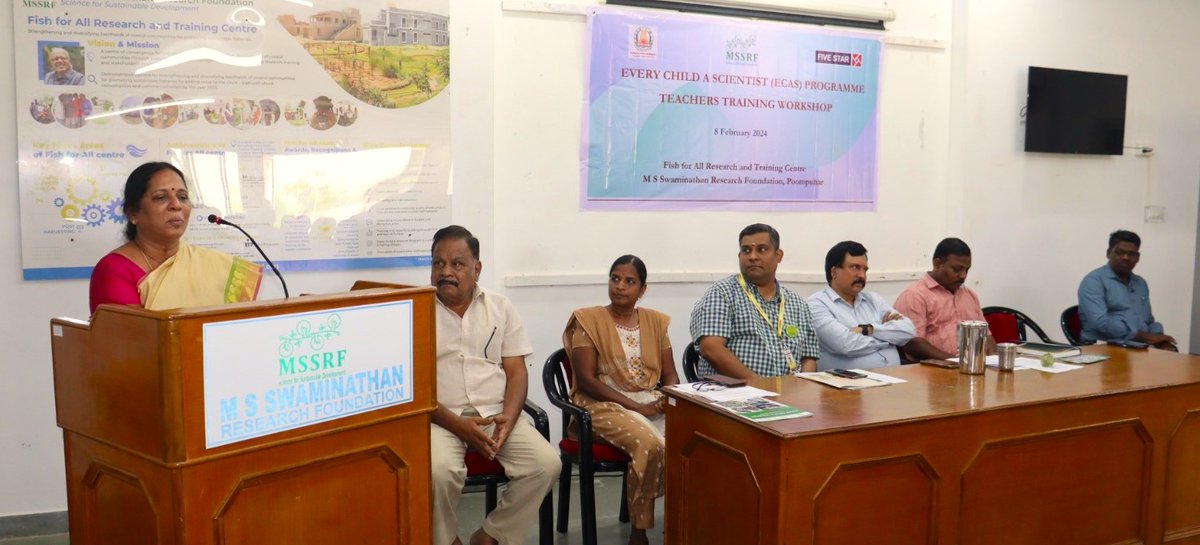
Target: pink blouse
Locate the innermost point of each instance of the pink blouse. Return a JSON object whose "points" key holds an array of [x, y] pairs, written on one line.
{"points": [[115, 280]]}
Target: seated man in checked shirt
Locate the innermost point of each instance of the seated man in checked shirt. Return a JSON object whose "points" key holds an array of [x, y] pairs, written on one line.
{"points": [[748, 324]]}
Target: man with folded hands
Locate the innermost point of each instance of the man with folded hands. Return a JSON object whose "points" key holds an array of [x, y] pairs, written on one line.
{"points": [[481, 387], [858, 329]]}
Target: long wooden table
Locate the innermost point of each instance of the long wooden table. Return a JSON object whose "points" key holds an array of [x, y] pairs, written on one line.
{"points": [[1109, 453]]}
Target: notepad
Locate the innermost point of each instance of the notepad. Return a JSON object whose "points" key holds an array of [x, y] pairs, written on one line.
{"points": [[1056, 350], [1084, 359]]}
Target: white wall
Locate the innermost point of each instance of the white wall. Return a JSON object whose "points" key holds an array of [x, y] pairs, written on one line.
{"points": [[950, 164], [1038, 222], [541, 231]]}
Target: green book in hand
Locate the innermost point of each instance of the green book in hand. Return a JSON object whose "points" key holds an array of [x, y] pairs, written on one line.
{"points": [[760, 409]]}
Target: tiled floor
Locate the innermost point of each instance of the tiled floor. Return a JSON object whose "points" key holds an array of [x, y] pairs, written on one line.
{"points": [[56, 539], [609, 531]]}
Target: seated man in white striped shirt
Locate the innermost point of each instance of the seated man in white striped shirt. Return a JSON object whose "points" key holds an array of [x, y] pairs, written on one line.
{"points": [[858, 329]]}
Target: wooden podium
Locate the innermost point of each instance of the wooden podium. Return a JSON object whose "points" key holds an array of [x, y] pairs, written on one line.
{"points": [[141, 465]]}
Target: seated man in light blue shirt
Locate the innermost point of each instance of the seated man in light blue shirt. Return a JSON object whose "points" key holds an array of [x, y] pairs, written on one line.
{"points": [[1114, 303], [857, 329]]}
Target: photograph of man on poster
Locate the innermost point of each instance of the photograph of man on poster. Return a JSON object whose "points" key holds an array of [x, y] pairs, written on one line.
{"points": [[60, 62]]}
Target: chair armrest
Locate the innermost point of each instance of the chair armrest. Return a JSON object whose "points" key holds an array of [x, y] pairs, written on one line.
{"points": [[583, 419], [541, 421], [562, 403]]}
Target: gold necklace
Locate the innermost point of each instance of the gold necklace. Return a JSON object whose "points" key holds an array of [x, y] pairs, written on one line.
{"points": [[145, 257]]}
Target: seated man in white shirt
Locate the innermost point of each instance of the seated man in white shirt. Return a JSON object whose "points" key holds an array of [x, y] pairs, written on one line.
{"points": [[481, 386], [857, 329]]}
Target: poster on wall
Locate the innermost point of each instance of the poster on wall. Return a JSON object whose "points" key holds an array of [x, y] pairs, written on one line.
{"points": [[703, 113], [321, 127]]}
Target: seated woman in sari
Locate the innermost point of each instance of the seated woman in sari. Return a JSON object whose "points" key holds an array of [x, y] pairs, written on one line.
{"points": [[619, 354], [155, 269]]}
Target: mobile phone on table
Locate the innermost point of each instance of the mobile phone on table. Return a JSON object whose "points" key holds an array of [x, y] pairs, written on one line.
{"points": [[846, 373], [1128, 344]]}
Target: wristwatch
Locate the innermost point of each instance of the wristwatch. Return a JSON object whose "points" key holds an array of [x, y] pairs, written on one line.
{"points": [[866, 329]]}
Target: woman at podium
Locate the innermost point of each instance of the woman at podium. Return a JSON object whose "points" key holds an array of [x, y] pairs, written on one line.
{"points": [[620, 354], [155, 268]]}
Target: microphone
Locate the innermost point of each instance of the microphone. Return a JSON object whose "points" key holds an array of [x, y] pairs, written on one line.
{"points": [[213, 218]]}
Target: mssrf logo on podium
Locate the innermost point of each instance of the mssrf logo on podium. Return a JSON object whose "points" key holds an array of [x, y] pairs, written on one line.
{"points": [[266, 375], [306, 336]]}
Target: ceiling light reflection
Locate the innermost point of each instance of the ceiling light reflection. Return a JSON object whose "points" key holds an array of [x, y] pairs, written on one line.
{"points": [[259, 19], [201, 54]]}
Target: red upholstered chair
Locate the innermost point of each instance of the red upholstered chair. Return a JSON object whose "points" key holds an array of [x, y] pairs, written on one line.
{"points": [[1071, 326], [490, 475], [1008, 325], [591, 456]]}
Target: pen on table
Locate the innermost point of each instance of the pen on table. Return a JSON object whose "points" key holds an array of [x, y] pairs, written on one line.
{"points": [[489, 342]]}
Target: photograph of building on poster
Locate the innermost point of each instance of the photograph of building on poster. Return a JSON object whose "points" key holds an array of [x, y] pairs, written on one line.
{"points": [[392, 58]]}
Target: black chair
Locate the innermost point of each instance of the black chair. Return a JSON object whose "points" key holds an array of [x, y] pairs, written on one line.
{"points": [[1009, 325], [490, 474], [581, 450], [691, 358], [1071, 326]]}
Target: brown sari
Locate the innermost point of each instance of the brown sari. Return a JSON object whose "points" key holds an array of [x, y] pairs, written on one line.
{"points": [[632, 433]]}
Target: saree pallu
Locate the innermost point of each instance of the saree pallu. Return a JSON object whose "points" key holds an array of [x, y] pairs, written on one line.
{"points": [[197, 276]]}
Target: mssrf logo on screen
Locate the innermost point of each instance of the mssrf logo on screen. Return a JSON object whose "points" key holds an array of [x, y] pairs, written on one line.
{"points": [[741, 50]]}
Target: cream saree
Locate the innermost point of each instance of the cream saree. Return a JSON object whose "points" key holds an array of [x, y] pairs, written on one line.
{"points": [[197, 276]]}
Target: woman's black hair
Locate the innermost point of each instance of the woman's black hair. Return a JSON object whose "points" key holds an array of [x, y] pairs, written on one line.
{"points": [[135, 188], [631, 260]]}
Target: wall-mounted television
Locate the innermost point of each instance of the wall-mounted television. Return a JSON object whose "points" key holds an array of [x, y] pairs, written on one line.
{"points": [[1075, 112]]}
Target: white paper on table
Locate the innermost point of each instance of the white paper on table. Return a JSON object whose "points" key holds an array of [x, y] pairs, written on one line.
{"points": [[870, 380], [881, 377], [1058, 367], [726, 394], [1022, 362], [993, 360]]}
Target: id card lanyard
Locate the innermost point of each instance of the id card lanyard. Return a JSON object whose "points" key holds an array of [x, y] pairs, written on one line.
{"points": [[787, 353]]}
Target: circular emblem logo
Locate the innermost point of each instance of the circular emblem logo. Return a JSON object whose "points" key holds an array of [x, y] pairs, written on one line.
{"points": [[643, 38]]}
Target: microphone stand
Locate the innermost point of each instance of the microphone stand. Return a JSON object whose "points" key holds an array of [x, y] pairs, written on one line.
{"points": [[213, 218]]}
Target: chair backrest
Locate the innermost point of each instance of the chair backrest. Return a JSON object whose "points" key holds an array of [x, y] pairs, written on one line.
{"points": [[1004, 327], [556, 379], [1009, 325], [691, 358], [1071, 325]]}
